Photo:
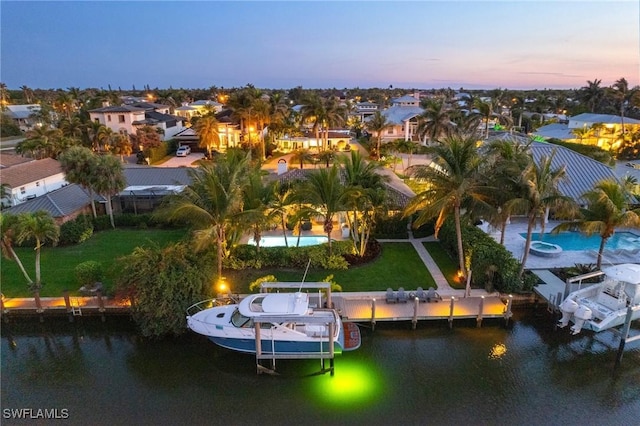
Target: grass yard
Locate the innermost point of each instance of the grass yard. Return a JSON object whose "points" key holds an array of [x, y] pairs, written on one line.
{"points": [[448, 266], [58, 263], [398, 266]]}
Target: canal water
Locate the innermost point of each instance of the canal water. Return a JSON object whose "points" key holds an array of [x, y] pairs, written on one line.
{"points": [[96, 373]]}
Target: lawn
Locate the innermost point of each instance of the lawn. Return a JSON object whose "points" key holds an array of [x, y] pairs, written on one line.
{"points": [[398, 266], [58, 263], [447, 265]]}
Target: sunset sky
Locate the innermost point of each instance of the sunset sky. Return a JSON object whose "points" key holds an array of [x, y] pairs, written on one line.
{"points": [[419, 44]]}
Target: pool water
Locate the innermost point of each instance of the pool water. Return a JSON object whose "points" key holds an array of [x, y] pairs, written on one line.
{"points": [[577, 241], [272, 241]]}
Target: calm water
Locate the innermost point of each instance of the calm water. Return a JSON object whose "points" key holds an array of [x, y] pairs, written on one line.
{"points": [[525, 374], [578, 241]]}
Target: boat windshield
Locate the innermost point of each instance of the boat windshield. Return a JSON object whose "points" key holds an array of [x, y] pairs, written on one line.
{"points": [[240, 321]]}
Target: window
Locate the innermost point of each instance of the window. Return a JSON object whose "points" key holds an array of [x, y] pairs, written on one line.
{"points": [[390, 131], [109, 118], [23, 190], [121, 118], [38, 183]]}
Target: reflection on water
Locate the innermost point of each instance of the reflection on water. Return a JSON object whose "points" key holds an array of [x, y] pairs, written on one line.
{"points": [[104, 373]]}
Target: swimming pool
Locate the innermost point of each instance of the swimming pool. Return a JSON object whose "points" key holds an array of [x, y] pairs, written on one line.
{"points": [[271, 241], [577, 241]]}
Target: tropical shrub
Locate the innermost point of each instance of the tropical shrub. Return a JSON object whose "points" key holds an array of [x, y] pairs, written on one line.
{"points": [[492, 265], [88, 273], [76, 231]]}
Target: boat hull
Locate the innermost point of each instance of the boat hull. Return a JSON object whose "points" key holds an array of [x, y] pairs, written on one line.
{"points": [[279, 347]]}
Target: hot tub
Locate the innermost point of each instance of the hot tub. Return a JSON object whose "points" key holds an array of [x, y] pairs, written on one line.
{"points": [[542, 249]]}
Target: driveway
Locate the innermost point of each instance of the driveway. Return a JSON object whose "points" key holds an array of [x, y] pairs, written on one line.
{"points": [[182, 161]]}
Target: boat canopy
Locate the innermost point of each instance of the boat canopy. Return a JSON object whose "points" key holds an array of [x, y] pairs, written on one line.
{"points": [[627, 272], [275, 304]]}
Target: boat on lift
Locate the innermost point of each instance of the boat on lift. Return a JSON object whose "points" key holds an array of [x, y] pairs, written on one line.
{"points": [[284, 322], [604, 305]]}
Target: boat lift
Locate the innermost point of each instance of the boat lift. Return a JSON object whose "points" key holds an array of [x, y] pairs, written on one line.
{"points": [[322, 316]]}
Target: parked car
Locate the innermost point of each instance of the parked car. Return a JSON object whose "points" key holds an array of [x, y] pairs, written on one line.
{"points": [[183, 151]]}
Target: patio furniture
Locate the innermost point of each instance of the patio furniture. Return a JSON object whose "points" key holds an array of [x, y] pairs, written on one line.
{"points": [[391, 297], [432, 295], [402, 296], [421, 295]]}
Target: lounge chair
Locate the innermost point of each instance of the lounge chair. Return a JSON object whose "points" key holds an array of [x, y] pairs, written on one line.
{"points": [[432, 295], [391, 297], [402, 296], [421, 295]]}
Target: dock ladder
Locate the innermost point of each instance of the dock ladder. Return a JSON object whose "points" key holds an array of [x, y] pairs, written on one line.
{"points": [[75, 308]]}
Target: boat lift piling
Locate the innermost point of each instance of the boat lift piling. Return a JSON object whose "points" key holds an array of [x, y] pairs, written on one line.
{"points": [[624, 337]]}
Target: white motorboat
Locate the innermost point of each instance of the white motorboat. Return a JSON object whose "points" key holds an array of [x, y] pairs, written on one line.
{"points": [[285, 322], [604, 305]]}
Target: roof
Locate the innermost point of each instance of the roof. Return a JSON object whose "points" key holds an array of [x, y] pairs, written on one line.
{"points": [[32, 171], [117, 108], [186, 108], [555, 130], [149, 105], [22, 111], [582, 172], [405, 99], [398, 114], [8, 160], [59, 203], [588, 117], [154, 117], [156, 176], [206, 102], [397, 199]]}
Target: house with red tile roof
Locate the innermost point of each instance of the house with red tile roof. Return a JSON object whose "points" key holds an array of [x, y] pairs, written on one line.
{"points": [[29, 179]]}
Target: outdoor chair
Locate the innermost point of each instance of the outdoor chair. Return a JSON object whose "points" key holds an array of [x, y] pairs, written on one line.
{"points": [[432, 295], [402, 296], [391, 297], [421, 295]]}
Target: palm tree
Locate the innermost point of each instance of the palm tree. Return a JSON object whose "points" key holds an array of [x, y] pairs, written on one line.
{"points": [[592, 94], [212, 202], [453, 184], [78, 164], [607, 209], [582, 132], [378, 123], [624, 96], [280, 204], [107, 179], [302, 155], [334, 116], [41, 227], [71, 127], [121, 145], [262, 114], [435, 121], [208, 133], [313, 109], [539, 192], [257, 211], [9, 228], [324, 191], [507, 161]]}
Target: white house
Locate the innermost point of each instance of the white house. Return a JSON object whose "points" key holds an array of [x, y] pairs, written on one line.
{"points": [[198, 108], [403, 118], [126, 119], [30, 179]]}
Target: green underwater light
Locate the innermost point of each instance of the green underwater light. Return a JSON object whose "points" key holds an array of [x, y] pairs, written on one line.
{"points": [[354, 382]]}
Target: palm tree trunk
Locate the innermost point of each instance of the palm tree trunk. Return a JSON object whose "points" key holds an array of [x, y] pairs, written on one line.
{"points": [[110, 211], [284, 231], [15, 257], [220, 234], [603, 241], [38, 282], [459, 237], [527, 244]]}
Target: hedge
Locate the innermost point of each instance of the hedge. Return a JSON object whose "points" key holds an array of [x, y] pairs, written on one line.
{"points": [[492, 265]]}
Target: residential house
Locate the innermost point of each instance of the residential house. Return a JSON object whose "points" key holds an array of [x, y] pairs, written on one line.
{"points": [[22, 115], [198, 108], [364, 110], [338, 140], [26, 180], [403, 118], [147, 186], [63, 204], [603, 130], [126, 119]]}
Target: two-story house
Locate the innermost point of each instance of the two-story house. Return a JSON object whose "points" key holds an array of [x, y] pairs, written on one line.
{"points": [[198, 108], [402, 116], [126, 119]]}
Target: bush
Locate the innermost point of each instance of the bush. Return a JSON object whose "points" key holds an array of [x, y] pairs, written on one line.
{"points": [[88, 273], [76, 231], [389, 227], [491, 264]]}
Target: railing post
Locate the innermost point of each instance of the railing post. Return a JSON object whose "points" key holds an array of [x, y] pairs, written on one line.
{"points": [[508, 314], [373, 314], [414, 321], [451, 312], [479, 319]]}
